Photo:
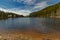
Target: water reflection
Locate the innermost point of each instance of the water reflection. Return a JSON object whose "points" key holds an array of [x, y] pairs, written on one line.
{"points": [[43, 25]]}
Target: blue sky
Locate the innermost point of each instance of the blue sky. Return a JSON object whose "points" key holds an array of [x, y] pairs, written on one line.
{"points": [[24, 7]]}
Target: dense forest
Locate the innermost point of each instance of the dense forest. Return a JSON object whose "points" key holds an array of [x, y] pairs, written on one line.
{"points": [[5, 15], [53, 10]]}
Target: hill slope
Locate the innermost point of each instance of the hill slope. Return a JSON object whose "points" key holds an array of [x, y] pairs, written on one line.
{"points": [[4, 15], [50, 11]]}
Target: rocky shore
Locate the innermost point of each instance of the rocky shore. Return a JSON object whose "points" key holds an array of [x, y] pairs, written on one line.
{"points": [[28, 35]]}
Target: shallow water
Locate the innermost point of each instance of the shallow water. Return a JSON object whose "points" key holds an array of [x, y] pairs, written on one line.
{"points": [[40, 25]]}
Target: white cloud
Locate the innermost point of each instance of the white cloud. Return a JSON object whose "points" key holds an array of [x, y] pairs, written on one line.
{"points": [[41, 5], [17, 11], [27, 11], [28, 2], [2, 9]]}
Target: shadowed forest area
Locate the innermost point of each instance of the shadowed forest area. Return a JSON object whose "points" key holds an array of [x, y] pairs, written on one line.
{"points": [[5, 15]]}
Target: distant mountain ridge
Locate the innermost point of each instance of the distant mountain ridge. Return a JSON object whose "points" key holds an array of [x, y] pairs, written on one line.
{"points": [[50, 11], [4, 15]]}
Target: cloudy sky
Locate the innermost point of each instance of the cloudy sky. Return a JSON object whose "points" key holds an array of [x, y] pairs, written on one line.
{"points": [[24, 7]]}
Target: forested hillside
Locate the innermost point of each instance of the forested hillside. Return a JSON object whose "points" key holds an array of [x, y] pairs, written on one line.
{"points": [[4, 15], [50, 11]]}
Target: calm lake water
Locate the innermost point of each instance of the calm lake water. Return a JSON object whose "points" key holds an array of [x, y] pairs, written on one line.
{"points": [[43, 25]]}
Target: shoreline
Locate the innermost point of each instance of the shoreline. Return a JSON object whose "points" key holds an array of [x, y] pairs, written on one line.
{"points": [[16, 34]]}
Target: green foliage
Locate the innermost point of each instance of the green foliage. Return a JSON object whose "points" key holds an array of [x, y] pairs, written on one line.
{"points": [[46, 12], [5, 15]]}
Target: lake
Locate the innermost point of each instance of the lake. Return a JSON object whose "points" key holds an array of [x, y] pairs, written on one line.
{"points": [[30, 29], [40, 25]]}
